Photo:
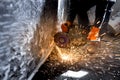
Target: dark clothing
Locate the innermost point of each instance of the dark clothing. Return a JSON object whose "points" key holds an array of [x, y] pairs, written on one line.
{"points": [[80, 8]]}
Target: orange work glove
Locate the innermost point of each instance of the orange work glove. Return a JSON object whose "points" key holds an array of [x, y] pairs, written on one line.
{"points": [[65, 26], [93, 34]]}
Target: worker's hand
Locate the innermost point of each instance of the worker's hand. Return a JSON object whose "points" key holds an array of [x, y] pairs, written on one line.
{"points": [[93, 35], [65, 26]]}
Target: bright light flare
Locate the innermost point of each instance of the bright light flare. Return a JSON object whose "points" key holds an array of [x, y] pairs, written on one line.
{"points": [[75, 74], [68, 57], [65, 57]]}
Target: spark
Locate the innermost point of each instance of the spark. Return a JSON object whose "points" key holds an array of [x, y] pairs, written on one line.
{"points": [[66, 56], [59, 51]]}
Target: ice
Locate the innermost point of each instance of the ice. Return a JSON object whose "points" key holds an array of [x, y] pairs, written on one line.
{"points": [[6, 72], [18, 21]]}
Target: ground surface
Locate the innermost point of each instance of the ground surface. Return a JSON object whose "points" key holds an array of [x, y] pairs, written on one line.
{"points": [[100, 59]]}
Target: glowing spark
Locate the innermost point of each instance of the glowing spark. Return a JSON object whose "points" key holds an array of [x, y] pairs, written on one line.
{"points": [[65, 57], [59, 51]]}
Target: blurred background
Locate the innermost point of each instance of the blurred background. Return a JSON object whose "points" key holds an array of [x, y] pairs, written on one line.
{"points": [[27, 28]]}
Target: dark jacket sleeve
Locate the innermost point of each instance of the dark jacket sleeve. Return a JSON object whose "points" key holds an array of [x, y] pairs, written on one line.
{"points": [[71, 10]]}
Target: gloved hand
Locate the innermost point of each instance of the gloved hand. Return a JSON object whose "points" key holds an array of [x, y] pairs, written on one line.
{"points": [[65, 26], [93, 35]]}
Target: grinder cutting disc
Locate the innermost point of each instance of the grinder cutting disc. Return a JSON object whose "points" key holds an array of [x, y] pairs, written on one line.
{"points": [[61, 39]]}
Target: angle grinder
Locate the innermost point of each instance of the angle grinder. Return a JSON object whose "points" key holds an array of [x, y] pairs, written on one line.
{"points": [[61, 39]]}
